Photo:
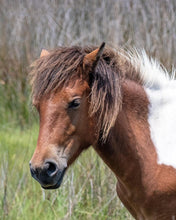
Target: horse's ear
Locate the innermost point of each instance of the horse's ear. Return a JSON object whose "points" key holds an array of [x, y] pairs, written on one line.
{"points": [[44, 53], [91, 59]]}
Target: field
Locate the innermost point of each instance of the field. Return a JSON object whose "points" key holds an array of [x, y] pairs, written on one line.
{"points": [[88, 190]]}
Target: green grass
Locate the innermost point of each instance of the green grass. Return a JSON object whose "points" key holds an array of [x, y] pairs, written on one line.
{"points": [[87, 192]]}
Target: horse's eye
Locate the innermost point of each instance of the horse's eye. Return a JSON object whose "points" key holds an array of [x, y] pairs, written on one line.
{"points": [[74, 104]]}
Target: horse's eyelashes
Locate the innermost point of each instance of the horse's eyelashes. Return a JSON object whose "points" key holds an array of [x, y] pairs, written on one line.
{"points": [[74, 104]]}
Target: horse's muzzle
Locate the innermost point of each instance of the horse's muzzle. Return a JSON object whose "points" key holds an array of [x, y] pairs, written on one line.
{"points": [[49, 176]]}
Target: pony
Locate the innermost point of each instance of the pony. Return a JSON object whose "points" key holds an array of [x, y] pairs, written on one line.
{"points": [[122, 103]]}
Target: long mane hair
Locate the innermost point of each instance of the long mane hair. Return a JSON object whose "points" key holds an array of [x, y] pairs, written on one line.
{"points": [[64, 65]]}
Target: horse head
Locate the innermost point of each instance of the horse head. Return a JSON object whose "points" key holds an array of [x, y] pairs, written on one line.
{"points": [[66, 128]]}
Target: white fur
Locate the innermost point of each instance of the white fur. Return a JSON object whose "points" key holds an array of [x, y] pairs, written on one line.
{"points": [[161, 91]]}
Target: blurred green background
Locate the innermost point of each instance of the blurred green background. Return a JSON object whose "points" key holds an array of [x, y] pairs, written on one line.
{"points": [[88, 190]]}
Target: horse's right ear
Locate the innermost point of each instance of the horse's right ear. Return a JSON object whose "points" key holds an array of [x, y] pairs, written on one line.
{"points": [[90, 60], [44, 53]]}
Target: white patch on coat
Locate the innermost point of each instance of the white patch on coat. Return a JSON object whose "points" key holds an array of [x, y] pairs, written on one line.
{"points": [[162, 121], [161, 91]]}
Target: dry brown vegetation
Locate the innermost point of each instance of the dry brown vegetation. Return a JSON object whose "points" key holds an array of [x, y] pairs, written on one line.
{"points": [[28, 26]]}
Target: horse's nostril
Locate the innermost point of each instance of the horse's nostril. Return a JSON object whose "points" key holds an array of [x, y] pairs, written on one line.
{"points": [[50, 168]]}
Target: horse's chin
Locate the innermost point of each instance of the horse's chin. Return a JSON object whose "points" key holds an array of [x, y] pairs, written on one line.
{"points": [[52, 187], [58, 184]]}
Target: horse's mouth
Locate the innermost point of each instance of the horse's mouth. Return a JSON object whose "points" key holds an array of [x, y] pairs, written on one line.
{"points": [[57, 185]]}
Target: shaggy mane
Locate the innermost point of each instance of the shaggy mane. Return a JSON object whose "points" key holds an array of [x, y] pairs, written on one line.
{"points": [[64, 64]]}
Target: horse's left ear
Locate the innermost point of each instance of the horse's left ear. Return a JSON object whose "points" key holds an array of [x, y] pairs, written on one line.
{"points": [[44, 53], [91, 59]]}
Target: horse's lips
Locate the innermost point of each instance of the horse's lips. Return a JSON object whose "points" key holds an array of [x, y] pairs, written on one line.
{"points": [[57, 185]]}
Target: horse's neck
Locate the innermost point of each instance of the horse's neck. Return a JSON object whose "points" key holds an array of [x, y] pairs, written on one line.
{"points": [[129, 151], [146, 180]]}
